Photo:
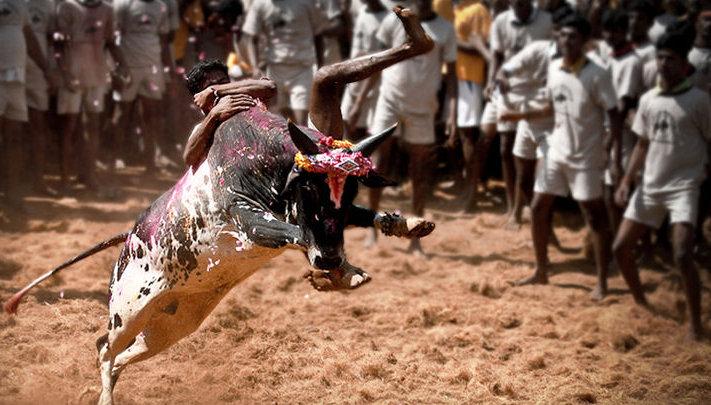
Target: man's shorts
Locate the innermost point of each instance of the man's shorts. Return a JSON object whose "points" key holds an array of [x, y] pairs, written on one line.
{"points": [[490, 115], [469, 104], [13, 101], [293, 86], [531, 138], [560, 179], [365, 118], [650, 210], [413, 128], [147, 82], [89, 99], [37, 89]]}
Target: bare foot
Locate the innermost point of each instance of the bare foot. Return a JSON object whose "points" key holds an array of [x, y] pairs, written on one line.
{"points": [[695, 334], [539, 277], [372, 239], [512, 223], [415, 249], [599, 293], [418, 40]]}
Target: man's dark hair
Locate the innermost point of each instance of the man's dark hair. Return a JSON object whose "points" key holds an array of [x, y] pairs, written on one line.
{"points": [[198, 73], [645, 7], [615, 20], [679, 38], [577, 22], [561, 13]]}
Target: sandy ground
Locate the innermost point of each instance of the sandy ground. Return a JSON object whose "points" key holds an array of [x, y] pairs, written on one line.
{"points": [[445, 330]]}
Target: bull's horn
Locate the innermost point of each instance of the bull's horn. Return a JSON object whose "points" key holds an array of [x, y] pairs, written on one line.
{"points": [[302, 141], [368, 145]]}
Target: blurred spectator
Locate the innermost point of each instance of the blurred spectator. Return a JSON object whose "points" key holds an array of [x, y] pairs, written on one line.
{"points": [[17, 41], [408, 95], [143, 27], [85, 31], [290, 28], [357, 101]]}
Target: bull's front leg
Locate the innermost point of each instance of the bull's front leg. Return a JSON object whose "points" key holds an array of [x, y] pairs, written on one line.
{"points": [[263, 229], [390, 224]]}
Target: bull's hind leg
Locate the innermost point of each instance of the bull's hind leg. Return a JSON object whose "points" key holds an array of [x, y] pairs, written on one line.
{"points": [[128, 315], [180, 316]]}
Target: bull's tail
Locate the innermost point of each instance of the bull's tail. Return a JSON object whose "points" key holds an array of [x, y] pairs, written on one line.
{"points": [[11, 305]]}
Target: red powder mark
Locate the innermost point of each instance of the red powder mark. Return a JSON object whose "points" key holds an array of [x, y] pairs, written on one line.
{"points": [[336, 183]]}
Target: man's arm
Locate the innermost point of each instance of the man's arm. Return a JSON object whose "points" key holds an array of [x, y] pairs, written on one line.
{"points": [[616, 120], [200, 140], [249, 43], [452, 95], [261, 89], [34, 50], [639, 155]]}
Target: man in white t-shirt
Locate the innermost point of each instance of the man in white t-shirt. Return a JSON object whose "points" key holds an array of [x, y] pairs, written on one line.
{"points": [[529, 66], [625, 66], [42, 16], [408, 96], [85, 28], [510, 32], [581, 95], [700, 55], [641, 17], [17, 42], [674, 128], [144, 28], [290, 28], [358, 106]]}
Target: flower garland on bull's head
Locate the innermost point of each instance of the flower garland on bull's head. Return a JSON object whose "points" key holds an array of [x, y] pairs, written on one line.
{"points": [[340, 159]]}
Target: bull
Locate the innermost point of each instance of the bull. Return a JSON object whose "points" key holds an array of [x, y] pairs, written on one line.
{"points": [[265, 186]]}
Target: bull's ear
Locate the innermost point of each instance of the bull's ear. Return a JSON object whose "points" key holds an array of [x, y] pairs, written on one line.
{"points": [[293, 174], [302, 141], [375, 180], [368, 145]]}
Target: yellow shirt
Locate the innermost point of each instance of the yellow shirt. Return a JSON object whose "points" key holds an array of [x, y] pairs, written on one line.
{"points": [[444, 9], [471, 16]]}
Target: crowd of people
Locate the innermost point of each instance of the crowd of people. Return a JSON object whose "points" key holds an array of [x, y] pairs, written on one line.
{"points": [[603, 101]]}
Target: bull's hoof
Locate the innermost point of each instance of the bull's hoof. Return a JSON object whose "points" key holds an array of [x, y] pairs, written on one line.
{"points": [[396, 225], [347, 277]]}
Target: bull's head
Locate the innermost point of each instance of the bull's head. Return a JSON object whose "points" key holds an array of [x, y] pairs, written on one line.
{"points": [[321, 188]]}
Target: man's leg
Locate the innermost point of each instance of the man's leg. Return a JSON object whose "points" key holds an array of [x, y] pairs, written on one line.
{"points": [[683, 244], [480, 154], [525, 174], [330, 81], [151, 123], [507, 167], [383, 161], [90, 147], [468, 137], [420, 171], [39, 133], [623, 249], [67, 142], [540, 230], [11, 131], [614, 213], [596, 218]]}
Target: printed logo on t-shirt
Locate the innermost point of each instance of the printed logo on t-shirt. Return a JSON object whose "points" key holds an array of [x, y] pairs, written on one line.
{"points": [[663, 128], [562, 95], [145, 20]]}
